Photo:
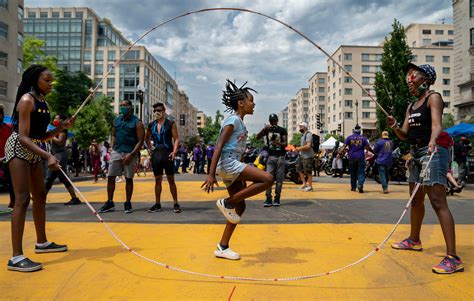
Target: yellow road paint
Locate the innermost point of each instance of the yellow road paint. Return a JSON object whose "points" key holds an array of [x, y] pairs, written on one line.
{"points": [[97, 268]]}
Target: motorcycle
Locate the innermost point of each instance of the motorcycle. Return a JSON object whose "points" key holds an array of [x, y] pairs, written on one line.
{"points": [[398, 171], [291, 159]]}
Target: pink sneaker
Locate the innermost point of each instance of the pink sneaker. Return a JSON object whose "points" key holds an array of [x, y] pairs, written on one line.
{"points": [[449, 265], [408, 244]]}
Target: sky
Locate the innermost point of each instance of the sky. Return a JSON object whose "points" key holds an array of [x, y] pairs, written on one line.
{"points": [[201, 51]]}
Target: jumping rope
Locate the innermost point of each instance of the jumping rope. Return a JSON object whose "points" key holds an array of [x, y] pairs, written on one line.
{"points": [[176, 269]]}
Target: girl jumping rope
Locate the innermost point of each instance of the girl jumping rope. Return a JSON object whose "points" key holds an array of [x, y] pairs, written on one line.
{"points": [[227, 161]]}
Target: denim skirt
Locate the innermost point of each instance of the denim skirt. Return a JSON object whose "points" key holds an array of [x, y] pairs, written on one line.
{"points": [[437, 170]]}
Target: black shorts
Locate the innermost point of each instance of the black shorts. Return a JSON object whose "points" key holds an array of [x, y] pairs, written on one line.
{"points": [[160, 160]]}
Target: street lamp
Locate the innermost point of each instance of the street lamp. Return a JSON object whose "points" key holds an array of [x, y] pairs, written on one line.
{"points": [[357, 111], [141, 95]]}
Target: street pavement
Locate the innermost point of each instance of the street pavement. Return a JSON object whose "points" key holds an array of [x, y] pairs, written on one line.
{"points": [[311, 233]]}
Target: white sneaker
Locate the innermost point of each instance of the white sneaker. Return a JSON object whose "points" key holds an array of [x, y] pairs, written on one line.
{"points": [[227, 253], [302, 187], [308, 188], [229, 214]]}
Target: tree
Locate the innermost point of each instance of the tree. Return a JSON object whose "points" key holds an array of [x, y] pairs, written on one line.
{"points": [[448, 120], [70, 90], [257, 143], [296, 139], [390, 84], [33, 53], [210, 131], [94, 121]]}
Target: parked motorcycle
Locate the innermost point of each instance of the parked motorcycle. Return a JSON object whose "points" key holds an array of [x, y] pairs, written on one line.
{"points": [[291, 159]]}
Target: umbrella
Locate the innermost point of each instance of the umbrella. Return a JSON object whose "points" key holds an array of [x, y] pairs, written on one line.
{"points": [[462, 129]]}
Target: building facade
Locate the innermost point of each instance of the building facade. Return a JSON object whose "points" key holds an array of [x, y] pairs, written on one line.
{"points": [[185, 117], [317, 102], [283, 118], [201, 119], [82, 41], [292, 121], [11, 55], [463, 65]]}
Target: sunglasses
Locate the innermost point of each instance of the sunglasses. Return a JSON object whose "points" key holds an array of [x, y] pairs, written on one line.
{"points": [[158, 110]]}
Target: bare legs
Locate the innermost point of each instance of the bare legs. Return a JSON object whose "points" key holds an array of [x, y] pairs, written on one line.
{"points": [[172, 185]]}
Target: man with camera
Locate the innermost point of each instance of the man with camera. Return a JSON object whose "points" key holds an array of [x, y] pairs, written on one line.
{"points": [[275, 143]]}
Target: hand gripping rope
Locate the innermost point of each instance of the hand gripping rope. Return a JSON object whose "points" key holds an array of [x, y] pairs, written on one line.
{"points": [[176, 269]]}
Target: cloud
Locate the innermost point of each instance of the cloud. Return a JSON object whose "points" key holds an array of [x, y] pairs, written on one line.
{"points": [[205, 49]]}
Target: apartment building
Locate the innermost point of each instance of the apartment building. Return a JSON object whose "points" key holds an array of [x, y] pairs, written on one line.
{"points": [[81, 40], [317, 102], [201, 119], [283, 118], [292, 122], [186, 116], [463, 65], [11, 55]]}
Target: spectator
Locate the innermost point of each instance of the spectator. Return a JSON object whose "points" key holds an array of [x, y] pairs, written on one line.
{"points": [[196, 157], [95, 159], [209, 154], [75, 154], [383, 149], [184, 156], [461, 150], [305, 162]]}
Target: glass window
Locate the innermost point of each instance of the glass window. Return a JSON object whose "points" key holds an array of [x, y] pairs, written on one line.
{"points": [[446, 93], [366, 115], [348, 91], [99, 55], [365, 80], [446, 70], [430, 58], [55, 14], [87, 55], [365, 68], [111, 83], [426, 42], [378, 68], [414, 58], [67, 14], [20, 12], [348, 115], [451, 32], [99, 69], [446, 59], [321, 98], [3, 30], [446, 81], [3, 88], [321, 80], [348, 56], [348, 68], [426, 31], [4, 4], [472, 36], [439, 32], [109, 67], [52, 26], [366, 103], [365, 56], [348, 103], [87, 69], [471, 9], [3, 59], [79, 14], [348, 79], [43, 14], [32, 15], [321, 89], [20, 39], [111, 55], [19, 66], [378, 57]]}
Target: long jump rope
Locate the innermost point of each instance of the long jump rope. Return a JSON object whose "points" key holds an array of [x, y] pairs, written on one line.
{"points": [[176, 269]]}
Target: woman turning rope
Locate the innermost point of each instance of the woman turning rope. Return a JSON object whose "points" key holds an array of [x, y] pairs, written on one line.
{"points": [[422, 129], [227, 160], [30, 120]]}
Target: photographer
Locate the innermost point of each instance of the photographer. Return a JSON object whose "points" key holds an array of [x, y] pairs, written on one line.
{"points": [[276, 141]]}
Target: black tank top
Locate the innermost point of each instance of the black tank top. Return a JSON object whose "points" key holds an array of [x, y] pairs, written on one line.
{"points": [[419, 121], [39, 119], [163, 139]]}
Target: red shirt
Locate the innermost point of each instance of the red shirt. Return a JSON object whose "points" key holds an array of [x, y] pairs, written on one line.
{"points": [[5, 132]]}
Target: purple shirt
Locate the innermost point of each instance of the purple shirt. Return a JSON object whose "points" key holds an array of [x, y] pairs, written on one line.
{"points": [[383, 148], [196, 153], [356, 144], [210, 151]]}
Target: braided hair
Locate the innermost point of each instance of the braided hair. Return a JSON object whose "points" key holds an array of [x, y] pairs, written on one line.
{"points": [[29, 82], [232, 95]]}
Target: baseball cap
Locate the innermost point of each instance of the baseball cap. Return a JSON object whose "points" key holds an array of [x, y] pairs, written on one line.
{"points": [[303, 124], [273, 116], [384, 134], [428, 70]]}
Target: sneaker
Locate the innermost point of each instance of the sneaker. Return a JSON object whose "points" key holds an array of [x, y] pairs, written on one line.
{"points": [[353, 189], [11, 206], [361, 190], [276, 203], [107, 207], [302, 187], [408, 244], [227, 253], [73, 201], [176, 208], [24, 265], [127, 207], [51, 248], [268, 203], [385, 191], [155, 208], [308, 189], [229, 214], [449, 265]]}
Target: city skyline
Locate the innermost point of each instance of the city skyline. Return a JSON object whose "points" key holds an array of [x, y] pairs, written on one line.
{"points": [[203, 50]]}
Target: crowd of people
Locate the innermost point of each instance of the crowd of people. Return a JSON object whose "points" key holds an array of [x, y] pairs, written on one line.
{"points": [[136, 147]]}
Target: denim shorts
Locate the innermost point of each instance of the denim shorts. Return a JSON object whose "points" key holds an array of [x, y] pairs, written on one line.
{"points": [[437, 170], [229, 168]]}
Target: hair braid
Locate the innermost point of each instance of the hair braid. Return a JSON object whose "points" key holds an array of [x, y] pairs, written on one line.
{"points": [[29, 81], [233, 94]]}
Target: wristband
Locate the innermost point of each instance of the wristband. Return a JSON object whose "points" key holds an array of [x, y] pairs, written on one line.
{"points": [[395, 126]]}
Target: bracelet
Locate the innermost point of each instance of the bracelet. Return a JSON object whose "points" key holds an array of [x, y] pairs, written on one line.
{"points": [[395, 126]]}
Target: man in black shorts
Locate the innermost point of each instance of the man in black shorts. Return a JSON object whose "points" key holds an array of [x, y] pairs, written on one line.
{"points": [[165, 146]]}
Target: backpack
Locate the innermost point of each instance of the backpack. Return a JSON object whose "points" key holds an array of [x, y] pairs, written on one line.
{"points": [[315, 143]]}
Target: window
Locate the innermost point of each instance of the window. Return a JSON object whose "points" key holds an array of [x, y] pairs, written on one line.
{"points": [[365, 68], [32, 15], [426, 42], [426, 31], [87, 55], [20, 39], [471, 9], [43, 14], [365, 80], [414, 58], [99, 55], [348, 103], [366, 115], [378, 57], [446, 81], [19, 66], [87, 69], [446, 59], [446, 93], [111, 83], [348, 91], [79, 15], [430, 58], [439, 32], [321, 80], [321, 89], [446, 70], [378, 68], [67, 14], [348, 79], [321, 98], [111, 95], [451, 32], [3, 59], [4, 4], [472, 37], [3, 30], [111, 55], [109, 67], [334, 85], [366, 103], [365, 56], [20, 13], [348, 115], [3, 88], [55, 14], [447, 104], [348, 68], [347, 56]]}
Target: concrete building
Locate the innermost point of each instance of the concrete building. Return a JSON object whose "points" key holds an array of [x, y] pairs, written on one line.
{"points": [[429, 35], [81, 40], [201, 119], [283, 118], [302, 105], [292, 122], [185, 117], [11, 55], [463, 65], [317, 102]]}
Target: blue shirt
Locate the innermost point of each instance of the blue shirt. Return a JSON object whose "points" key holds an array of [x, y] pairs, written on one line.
{"points": [[383, 148], [237, 141], [356, 144], [125, 134]]}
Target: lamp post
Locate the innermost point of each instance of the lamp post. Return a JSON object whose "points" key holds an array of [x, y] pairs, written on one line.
{"points": [[141, 95], [357, 111]]}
